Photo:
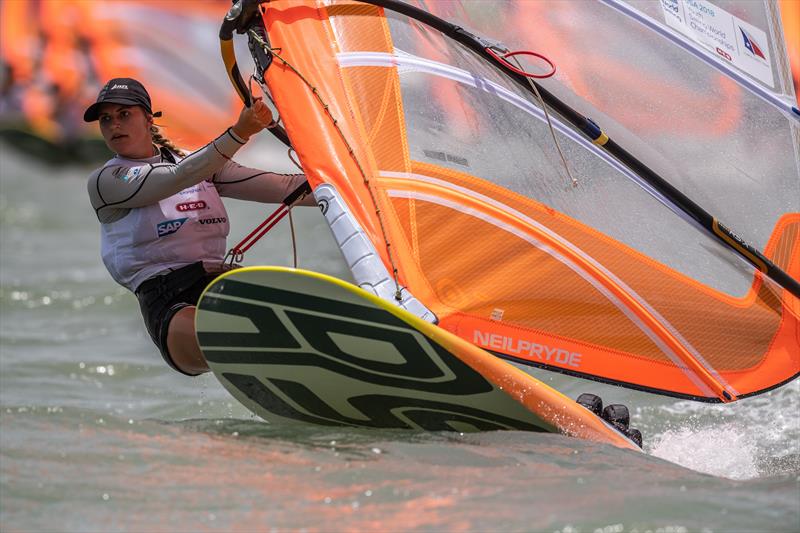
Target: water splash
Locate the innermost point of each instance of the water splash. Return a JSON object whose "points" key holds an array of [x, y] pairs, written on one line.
{"points": [[753, 437], [728, 450]]}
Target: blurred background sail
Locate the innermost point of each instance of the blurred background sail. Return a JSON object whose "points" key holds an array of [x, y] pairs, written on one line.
{"points": [[451, 171], [56, 54]]}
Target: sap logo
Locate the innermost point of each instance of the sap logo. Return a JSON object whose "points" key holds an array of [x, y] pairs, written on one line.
{"points": [[191, 206], [118, 86], [218, 220], [169, 226]]}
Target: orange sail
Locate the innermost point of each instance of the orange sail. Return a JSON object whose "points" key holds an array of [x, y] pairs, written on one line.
{"points": [[606, 280]]}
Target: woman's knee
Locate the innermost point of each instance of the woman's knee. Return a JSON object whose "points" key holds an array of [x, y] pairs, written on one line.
{"points": [[182, 343]]}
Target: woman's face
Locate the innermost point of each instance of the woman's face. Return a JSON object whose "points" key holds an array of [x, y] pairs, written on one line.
{"points": [[126, 130]]}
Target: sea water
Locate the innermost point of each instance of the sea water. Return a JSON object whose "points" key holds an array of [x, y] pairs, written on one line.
{"points": [[98, 434]]}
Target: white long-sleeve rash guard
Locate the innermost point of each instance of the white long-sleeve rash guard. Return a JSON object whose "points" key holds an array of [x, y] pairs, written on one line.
{"points": [[158, 214]]}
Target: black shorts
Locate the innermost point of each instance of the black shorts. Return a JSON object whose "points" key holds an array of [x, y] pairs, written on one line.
{"points": [[162, 296]]}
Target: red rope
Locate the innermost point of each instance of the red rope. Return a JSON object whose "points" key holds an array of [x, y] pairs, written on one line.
{"points": [[502, 61], [236, 254], [257, 233]]}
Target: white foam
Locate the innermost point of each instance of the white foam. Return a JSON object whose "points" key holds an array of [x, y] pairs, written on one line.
{"points": [[727, 451], [754, 437]]}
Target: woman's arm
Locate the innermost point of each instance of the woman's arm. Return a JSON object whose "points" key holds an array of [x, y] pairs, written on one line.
{"points": [[235, 181], [117, 188]]}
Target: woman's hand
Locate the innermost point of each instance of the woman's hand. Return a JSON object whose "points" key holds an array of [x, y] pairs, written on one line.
{"points": [[253, 119]]}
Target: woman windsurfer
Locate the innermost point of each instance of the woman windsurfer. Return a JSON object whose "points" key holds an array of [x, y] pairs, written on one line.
{"points": [[163, 225]]}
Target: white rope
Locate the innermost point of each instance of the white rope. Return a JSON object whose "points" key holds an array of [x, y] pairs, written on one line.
{"points": [[573, 181]]}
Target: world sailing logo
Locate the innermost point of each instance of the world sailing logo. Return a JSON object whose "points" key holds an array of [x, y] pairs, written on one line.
{"points": [[751, 45]]}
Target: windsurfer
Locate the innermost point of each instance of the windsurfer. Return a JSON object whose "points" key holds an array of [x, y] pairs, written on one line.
{"points": [[163, 225]]}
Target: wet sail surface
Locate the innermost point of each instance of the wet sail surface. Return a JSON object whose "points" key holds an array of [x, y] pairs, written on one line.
{"points": [[456, 179]]}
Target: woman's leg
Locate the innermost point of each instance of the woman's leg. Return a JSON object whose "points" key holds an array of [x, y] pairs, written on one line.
{"points": [[182, 343]]}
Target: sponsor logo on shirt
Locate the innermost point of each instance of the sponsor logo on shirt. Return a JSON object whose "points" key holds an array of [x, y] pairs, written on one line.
{"points": [[190, 190], [127, 174], [169, 226], [191, 206], [215, 220]]}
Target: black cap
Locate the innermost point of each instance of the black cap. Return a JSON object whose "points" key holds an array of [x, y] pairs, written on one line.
{"points": [[124, 91]]}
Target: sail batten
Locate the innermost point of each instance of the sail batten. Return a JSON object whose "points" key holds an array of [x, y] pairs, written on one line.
{"points": [[409, 63], [656, 328]]}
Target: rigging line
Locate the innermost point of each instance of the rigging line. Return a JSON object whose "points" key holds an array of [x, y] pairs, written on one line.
{"points": [[572, 178], [268, 95], [275, 121], [291, 219], [237, 252], [294, 240], [289, 153], [398, 291]]}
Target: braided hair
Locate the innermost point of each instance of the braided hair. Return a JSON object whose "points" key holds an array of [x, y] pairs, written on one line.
{"points": [[160, 140]]}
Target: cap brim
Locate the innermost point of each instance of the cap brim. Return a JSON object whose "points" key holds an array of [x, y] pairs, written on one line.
{"points": [[93, 111]]}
